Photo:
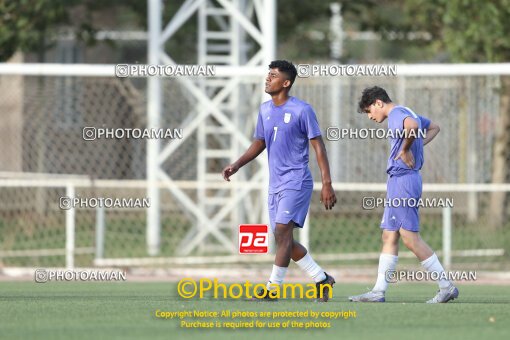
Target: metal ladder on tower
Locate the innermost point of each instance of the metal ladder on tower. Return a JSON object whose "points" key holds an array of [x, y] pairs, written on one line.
{"points": [[219, 44]]}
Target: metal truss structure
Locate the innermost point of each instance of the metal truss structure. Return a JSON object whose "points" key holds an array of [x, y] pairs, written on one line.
{"points": [[239, 37]]}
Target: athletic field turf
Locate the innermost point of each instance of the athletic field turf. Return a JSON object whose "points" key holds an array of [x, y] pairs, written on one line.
{"points": [[127, 311]]}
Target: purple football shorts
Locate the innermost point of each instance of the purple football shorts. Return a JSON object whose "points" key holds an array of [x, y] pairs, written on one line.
{"points": [[289, 205], [401, 211]]}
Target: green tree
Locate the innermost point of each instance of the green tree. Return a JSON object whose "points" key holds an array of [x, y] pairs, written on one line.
{"points": [[32, 26], [24, 24], [475, 31]]}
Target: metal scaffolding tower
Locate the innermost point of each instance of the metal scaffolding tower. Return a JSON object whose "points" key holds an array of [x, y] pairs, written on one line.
{"points": [[235, 35]]}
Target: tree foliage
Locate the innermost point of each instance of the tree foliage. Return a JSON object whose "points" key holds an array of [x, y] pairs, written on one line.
{"points": [[24, 24], [471, 31]]}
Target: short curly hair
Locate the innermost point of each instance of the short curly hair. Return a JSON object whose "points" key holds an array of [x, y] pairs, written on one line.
{"points": [[370, 95], [285, 67]]}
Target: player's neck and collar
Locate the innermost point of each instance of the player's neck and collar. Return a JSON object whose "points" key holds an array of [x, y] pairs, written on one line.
{"points": [[388, 107], [280, 99]]}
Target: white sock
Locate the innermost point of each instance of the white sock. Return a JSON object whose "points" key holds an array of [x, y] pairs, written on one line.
{"points": [[386, 262], [312, 268], [277, 276], [432, 264]]}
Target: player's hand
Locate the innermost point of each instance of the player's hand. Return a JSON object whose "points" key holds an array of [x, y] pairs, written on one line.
{"points": [[407, 157], [229, 171], [328, 197]]}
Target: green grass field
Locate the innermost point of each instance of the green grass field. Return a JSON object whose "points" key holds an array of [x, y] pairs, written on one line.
{"points": [[127, 311]]}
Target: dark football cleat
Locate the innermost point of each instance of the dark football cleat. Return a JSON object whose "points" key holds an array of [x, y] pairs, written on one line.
{"points": [[326, 290], [265, 295]]}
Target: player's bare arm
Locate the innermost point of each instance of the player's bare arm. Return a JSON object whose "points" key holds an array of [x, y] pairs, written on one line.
{"points": [[253, 151], [405, 154], [328, 197], [431, 133]]}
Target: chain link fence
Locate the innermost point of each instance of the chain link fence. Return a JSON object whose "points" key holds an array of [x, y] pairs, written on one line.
{"points": [[41, 133]]}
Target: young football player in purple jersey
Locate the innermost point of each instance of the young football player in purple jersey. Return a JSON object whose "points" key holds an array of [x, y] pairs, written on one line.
{"points": [[401, 220], [285, 126]]}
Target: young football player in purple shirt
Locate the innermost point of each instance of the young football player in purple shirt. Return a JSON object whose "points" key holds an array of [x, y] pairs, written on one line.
{"points": [[285, 126], [404, 186]]}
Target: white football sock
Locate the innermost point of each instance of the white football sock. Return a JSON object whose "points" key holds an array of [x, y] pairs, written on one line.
{"points": [[432, 264], [312, 268], [386, 262], [277, 276]]}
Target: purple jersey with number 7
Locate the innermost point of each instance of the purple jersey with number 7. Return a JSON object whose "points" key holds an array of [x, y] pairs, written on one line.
{"points": [[287, 129]]}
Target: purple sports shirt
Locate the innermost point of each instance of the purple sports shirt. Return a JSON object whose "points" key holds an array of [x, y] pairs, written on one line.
{"points": [[396, 122], [286, 129]]}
